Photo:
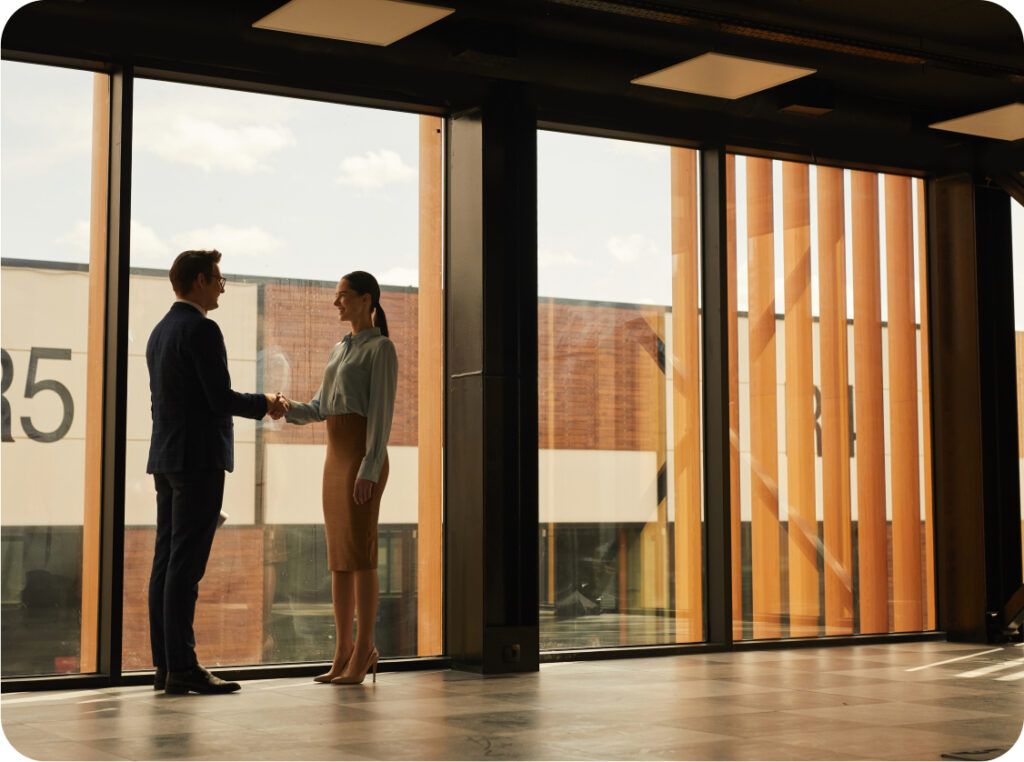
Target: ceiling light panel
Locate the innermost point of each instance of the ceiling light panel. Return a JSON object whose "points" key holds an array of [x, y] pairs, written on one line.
{"points": [[722, 76], [1003, 123], [373, 22]]}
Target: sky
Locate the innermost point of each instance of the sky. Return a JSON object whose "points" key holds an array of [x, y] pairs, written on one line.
{"points": [[303, 189]]}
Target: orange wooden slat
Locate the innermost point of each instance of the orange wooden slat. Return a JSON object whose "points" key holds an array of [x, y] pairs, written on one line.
{"points": [[686, 406], [872, 542], [430, 411], [801, 512], [94, 374], [764, 443], [926, 407], [734, 399], [908, 611], [835, 406]]}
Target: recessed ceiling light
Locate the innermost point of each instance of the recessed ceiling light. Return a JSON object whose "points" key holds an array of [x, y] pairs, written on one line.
{"points": [[722, 76], [1003, 123], [373, 22]]}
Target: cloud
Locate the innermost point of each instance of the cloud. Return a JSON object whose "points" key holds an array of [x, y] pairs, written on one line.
{"points": [[630, 248], [400, 276], [146, 245], [76, 239], [375, 169], [548, 258], [250, 241], [209, 144]]}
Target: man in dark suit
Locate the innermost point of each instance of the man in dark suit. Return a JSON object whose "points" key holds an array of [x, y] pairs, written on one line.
{"points": [[191, 448]]}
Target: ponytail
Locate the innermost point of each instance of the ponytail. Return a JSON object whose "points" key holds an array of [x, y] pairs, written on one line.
{"points": [[379, 318]]}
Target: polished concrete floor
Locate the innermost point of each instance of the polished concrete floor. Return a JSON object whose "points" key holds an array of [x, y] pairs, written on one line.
{"points": [[908, 701]]}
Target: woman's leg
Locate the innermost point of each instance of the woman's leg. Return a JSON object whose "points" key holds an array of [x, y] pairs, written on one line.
{"points": [[366, 588], [344, 600]]}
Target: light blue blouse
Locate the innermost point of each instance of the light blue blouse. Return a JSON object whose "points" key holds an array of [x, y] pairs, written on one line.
{"points": [[361, 377]]}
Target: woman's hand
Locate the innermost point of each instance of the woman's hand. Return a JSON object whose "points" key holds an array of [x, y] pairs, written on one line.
{"points": [[363, 491]]}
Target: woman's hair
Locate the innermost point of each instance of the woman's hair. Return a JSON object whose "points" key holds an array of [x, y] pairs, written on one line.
{"points": [[364, 283]]}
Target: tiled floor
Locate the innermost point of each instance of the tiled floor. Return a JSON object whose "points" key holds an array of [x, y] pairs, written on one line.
{"points": [[904, 701]]}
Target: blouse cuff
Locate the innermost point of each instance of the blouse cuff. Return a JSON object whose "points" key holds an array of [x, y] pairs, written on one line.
{"points": [[370, 469]]}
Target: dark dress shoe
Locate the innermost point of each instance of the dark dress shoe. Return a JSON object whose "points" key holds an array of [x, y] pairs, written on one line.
{"points": [[160, 679], [198, 680]]}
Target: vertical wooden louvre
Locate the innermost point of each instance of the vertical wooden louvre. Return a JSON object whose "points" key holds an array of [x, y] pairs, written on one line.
{"points": [[926, 407], [867, 337], [764, 444], [94, 373], [906, 510], [802, 520], [835, 408], [644, 334], [430, 390], [686, 398], [734, 400]]}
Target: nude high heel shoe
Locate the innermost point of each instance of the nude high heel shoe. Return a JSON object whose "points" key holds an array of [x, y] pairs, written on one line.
{"points": [[357, 679], [330, 674]]}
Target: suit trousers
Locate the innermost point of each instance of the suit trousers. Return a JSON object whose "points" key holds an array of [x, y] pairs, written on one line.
{"points": [[187, 509]]}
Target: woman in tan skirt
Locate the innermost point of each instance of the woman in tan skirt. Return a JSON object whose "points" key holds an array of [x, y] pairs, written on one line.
{"points": [[357, 399]]}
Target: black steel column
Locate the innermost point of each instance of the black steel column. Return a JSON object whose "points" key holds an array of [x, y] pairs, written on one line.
{"points": [[115, 375], [490, 464], [994, 243], [715, 325], [977, 501]]}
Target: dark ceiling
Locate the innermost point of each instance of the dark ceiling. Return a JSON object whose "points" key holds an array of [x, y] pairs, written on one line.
{"points": [[886, 69]]}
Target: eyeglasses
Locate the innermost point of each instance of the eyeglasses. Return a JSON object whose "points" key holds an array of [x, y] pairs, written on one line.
{"points": [[222, 281]]}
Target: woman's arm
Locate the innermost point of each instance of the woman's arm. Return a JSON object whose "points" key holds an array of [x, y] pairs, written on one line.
{"points": [[381, 407], [305, 412], [310, 412]]}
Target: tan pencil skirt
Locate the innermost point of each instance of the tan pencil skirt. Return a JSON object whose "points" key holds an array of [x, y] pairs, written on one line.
{"points": [[350, 529]]}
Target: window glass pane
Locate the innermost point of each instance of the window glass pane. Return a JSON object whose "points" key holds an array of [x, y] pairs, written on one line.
{"points": [[831, 463], [294, 194], [1017, 223], [619, 373], [55, 142]]}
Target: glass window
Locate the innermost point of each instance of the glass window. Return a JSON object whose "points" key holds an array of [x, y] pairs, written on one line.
{"points": [[831, 460], [1017, 226], [55, 144], [294, 194], [620, 414]]}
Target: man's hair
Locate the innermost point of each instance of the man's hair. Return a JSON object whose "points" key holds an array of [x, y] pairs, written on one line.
{"points": [[188, 265]]}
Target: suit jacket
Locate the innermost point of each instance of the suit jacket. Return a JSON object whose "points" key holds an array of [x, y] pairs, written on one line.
{"points": [[192, 399]]}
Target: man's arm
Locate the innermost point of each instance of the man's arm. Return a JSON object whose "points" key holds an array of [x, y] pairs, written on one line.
{"points": [[211, 361]]}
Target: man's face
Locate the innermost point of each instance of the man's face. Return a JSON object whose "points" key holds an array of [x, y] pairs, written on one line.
{"points": [[208, 290]]}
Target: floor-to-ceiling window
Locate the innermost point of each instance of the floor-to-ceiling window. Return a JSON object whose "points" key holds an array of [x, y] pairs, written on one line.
{"points": [[620, 534], [294, 194], [1017, 223], [55, 143], [831, 482]]}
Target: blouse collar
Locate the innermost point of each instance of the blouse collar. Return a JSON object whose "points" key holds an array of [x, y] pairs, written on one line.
{"points": [[362, 336]]}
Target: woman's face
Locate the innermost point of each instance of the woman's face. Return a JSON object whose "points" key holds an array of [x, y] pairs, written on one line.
{"points": [[351, 305]]}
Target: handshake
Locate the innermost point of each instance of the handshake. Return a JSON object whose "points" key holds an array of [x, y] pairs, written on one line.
{"points": [[277, 405]]}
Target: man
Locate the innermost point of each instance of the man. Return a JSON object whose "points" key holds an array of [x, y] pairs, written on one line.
{"points": [[191, 448]]}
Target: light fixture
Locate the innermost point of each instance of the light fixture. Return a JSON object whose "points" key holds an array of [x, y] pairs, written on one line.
{"points": [[373, 22], [1002, 123], [722, 76]]}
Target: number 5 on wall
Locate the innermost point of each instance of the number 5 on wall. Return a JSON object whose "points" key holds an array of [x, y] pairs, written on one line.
{"points": [[34, 387]]}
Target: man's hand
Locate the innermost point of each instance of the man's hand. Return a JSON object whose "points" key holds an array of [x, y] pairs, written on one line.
{"points": [[277, 405], [363, 491]]}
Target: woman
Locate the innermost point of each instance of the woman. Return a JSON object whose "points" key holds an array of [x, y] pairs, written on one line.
{"points": [[357, 399]]}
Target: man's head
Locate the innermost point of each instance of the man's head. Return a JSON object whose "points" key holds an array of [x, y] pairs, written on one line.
{"points": [[195, 276]]}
